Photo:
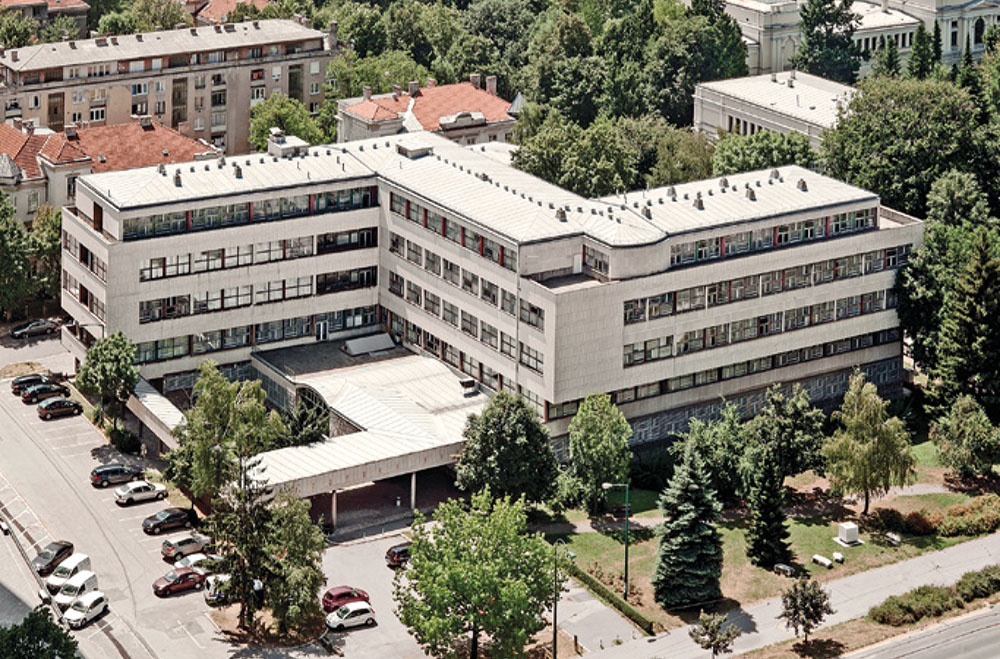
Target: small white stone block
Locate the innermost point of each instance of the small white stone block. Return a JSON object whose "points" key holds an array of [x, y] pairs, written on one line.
{"points": [[822, 560], [848, 533], [838, 557]]}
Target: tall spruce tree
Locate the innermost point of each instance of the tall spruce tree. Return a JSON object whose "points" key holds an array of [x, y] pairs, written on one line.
{"points": [[937, 48], [767, 536], [921, 55], [689, 562], [828, 49], [969, 351], [886, 61]]}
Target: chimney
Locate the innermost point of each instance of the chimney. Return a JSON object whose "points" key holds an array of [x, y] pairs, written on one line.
{"points": [[71, 131], [13, 56], [412, 88], [2, 51], [29, 127], [396, 90], [256, 24], [177, 178], [367, 92], [476, 79], [647, 213], [791, 82], [491, 85], [885, 6], [751, 195], [161, 169], [114, 41], [791, 74], [774, 77], [146, 121], [333, 29], [72, 44], [431, 82], [138, 37], [218, 28], [561, 214], [17, 123]]}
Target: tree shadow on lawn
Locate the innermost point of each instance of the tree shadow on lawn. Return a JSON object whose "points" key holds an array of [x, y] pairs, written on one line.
{"points": [[615, 529], [972, 485], [823, 648], [735, 614]]}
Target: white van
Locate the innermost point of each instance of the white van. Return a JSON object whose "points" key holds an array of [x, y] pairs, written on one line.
{"points": [[79, 584], [73, 565]]}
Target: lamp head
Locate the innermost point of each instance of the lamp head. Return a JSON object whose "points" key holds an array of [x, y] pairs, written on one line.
{"points": [[606, 486]]}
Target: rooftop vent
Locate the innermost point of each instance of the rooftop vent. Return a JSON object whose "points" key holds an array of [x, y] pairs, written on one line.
{"points": [[177, 178], [723, 182], [194, 31], [218, 28], [221, 162], [161, 169], [647, 213], [751, 195], [165, 152], [561, 214], [699, 203], [138, 37], [238, 171], [774, 174], [801, 185]]}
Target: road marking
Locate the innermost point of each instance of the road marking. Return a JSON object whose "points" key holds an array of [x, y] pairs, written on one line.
{"points": [[129, 519], [191, 636]]}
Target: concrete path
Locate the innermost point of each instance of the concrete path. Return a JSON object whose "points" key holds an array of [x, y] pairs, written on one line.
{"points": [[594, 624], [851, 597]]}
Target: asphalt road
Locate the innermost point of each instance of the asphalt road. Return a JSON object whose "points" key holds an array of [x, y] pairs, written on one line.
{"points": [[970, 637]]}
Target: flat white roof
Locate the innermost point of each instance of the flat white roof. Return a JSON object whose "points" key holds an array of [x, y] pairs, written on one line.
{"points": [[808, 98], [155, 44], [410, 410], [873, 17]]}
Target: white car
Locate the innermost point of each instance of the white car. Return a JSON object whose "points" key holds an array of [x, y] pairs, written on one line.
{"points": [[352, 614], [139, 491], [201, 561], [85, 609]]}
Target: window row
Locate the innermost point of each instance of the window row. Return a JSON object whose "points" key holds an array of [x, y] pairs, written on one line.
{"points": [[266, 210], [86, 258], [83, 296], [736, 370], [769, 283], [759, 240]]}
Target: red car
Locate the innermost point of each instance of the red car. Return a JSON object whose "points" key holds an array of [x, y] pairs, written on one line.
{"points": [[179, 580], [338, 596]]}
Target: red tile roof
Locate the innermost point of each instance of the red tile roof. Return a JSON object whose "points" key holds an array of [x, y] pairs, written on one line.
{"points": [[123, 146], [432, 103], [22, 149], [216, 11]]}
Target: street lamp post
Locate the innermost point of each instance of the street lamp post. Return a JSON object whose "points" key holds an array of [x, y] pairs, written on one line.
{"points": [[628, 513], [555, 591]]}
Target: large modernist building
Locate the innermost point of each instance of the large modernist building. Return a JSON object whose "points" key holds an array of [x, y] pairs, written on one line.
{"points": [[669, 300], [201, 81]]}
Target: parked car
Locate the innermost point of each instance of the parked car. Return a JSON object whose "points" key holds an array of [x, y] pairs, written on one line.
{"points": [[338, 596], [86, 608], [178, 580], [51, 555], [79, 585], [18, 385], [175, 548], [213, 591], [40, 392], [130, 493], [171, 518], [399, 555], [203, 562], [52, 407], [34, 328], [115, 472], [353, 614], [67, 570]]}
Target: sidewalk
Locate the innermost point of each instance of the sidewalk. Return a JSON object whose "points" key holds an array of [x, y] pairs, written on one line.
{"points": [[595, 624], [851, 598]]}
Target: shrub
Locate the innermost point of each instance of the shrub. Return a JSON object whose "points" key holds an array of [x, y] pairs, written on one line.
{"points": [[985, 502], [981, 583], [923, 522], [955, 526], [886, 519], [124, 441], [958, 510], [917, 604]]}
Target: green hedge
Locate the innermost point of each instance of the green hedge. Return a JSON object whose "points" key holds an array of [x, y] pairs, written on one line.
{"points": [[612, 598], [933, 601]]}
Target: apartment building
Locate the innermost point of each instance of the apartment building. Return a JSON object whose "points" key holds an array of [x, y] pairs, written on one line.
{"points": [[201, 81], [668, 299], [787, 102], [44, 12], [464, 112]]}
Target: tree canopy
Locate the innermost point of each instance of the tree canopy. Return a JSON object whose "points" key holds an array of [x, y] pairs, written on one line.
{"points": [[828, 49], [598, 447], [15, 266], [109, 371], [765, 149], [282, 112], [37, 637]]}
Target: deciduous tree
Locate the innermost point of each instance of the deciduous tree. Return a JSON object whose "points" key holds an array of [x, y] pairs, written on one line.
{"points": [[16, 29], [109, 371], [15, 267], [507, 449], [721, 444], [283, 112], [476, 572], [787, 431], [870, 453], [598, 447], [804, 606], [689, 561], [37, 637], [763, 150], [967, 442], [45, 242], [61, 28], [295, 548], [712, 632]]}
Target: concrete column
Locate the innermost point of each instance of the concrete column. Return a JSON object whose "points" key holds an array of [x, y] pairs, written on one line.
{"points": [[413, 491], [333, 508]]}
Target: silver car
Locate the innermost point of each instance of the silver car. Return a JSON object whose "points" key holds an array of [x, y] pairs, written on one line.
{"points": [[175, 548], [139, 491]]}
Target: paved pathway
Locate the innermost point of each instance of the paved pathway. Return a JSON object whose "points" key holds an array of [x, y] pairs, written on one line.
{"points": [[851, 597], [595, 624]]}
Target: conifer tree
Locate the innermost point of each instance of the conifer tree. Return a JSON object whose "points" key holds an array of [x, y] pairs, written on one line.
{"points": [[937, 49], [921, 55], [886, 58], [689, 564], [767, 537], [969, 349], [828, 47]]}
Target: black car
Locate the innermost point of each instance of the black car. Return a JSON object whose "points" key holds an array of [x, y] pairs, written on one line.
{"points": [[18, 385], [170, 518], [43, 391], [51, 556], [34, 328], [53, 407], [398, 556], [115, 473]]}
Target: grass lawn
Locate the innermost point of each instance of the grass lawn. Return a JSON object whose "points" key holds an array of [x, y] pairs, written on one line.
{"points": [[929, 467], [643, 502], [741, 582]]}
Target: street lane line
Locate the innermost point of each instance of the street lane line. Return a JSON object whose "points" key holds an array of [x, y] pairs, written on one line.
{"points": [[191, 636]]}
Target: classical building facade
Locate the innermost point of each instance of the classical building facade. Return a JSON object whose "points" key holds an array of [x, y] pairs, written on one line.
{"points": [[201, 81], [668, 299]]}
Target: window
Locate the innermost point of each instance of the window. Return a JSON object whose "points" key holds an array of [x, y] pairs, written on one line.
{"points": [[507, 345], [314, 67], [276, 72], [432, 262], [171, 348], [219, 98], [530, 358], [413, 252], [218, 80], [77, 98], [452, 273], [432, 303], [595, 260], [97, 114], [413, 293], [140, 88], [76, 117], [647, 351], [489, 335], [273, 50], [314, 88], [450, 314], [209, 260], [139, 108], [160, 107], [34, 101], [470, 324], [532, 315], [452, 231], [98, 70], [396, 244], [73, 72], [507, 301], [238, 296], [395, 284], [258, 93], [199, 123], [298, 287], [470, 282], [490, 292]]}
